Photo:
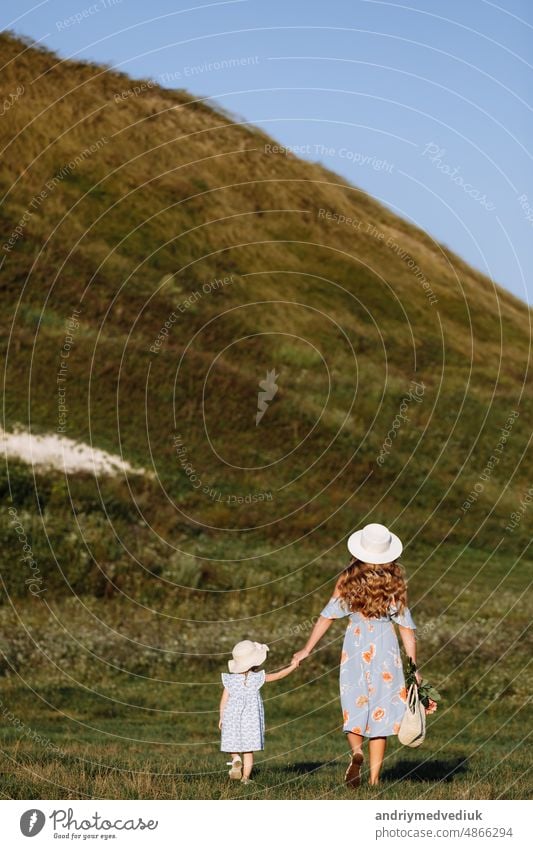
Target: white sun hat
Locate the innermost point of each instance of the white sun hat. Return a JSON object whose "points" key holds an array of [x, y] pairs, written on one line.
{"points": [[247, 654], [375, 544]]}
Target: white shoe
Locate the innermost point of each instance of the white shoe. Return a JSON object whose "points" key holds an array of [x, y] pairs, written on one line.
{"points": [[235, 772]]}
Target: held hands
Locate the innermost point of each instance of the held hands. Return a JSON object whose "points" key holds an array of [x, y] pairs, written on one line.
{"points": [[299, 656]]}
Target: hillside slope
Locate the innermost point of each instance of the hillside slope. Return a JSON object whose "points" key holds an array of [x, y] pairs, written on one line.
{"points": [[158, 261]]}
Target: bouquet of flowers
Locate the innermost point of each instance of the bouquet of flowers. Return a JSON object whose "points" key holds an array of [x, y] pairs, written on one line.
{"points": [[427, 694]]}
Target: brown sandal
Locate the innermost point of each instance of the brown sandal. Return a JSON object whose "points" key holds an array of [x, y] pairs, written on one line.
{"points": [[353, 773]]}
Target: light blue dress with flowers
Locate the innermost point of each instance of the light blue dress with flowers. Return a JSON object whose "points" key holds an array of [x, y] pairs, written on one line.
{"points": [[243, 723], [372, 686]]}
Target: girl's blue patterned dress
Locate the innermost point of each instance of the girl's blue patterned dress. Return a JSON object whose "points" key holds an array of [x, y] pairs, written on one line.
{"points": [[243, 723], [372, 685]]}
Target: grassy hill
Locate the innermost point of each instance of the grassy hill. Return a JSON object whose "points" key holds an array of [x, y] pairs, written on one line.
{"points": [[177, 256]]}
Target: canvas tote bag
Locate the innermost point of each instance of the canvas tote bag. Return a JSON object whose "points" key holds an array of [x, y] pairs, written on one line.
{"points": [[413, 725]]}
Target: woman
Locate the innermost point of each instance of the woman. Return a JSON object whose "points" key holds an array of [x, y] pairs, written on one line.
{"points": [[372, 591]]}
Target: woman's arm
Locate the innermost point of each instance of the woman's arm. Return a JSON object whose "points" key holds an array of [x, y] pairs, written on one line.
{"points": [[277, 676], [409, 643], [319, 629], [223, 702]]}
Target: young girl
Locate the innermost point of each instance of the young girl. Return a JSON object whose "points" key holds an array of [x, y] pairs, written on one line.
{"points": [[372, 591], [242, 719]]}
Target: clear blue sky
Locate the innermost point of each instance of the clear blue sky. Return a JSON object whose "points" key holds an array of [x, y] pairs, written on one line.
{"points": [[426, 105]]}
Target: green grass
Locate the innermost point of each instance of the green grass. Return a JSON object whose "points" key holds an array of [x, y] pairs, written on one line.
{"points": [[110, 751], [131, 701]]}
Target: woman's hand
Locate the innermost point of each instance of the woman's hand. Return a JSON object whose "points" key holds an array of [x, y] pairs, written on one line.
{"points": [[299, 656], [418, 677], [220, 724]]}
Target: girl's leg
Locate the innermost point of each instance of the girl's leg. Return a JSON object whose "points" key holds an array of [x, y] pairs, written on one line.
{"points": [[376, 750], [248, 758], [236, 767], [355, 741]]}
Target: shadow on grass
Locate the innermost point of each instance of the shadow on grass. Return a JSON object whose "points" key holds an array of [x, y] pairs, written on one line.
{"points": [[427, 770], [305, 767]]}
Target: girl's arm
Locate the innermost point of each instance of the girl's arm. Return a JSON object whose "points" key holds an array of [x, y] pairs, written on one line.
{"points": [[223, 702], [319, 629], [277, 676]]}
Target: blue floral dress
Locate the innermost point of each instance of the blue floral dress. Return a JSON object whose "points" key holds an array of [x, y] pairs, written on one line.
{"points": [[372, 685], [243, 723]]}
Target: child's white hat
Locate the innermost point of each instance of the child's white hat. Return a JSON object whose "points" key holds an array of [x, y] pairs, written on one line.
{"points": [[375, 544], [247, 654]]}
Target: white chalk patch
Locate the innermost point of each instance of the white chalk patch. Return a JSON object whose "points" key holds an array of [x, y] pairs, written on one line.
{"points": [[54, 451]]}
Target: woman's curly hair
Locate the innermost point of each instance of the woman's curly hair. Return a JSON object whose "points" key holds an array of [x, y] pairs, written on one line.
{"points": [[371, 589]]}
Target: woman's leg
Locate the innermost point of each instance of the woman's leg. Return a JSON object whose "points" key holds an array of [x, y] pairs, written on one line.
{"points": [[355, 741], [352, 775], [376, 750], [248, 759]]}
